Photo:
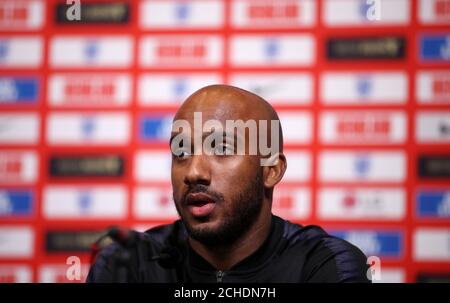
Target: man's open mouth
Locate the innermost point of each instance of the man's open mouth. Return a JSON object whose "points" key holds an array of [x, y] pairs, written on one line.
{"points": [[200, 204]]}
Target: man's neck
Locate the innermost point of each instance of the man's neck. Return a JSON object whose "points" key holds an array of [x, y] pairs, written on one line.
{"points": [[226, 256]]}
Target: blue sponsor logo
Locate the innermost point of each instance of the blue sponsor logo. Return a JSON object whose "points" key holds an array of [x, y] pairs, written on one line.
{"points": [[364, 86], [435, 48], [374, 243], [155, 128], [362, 165], [179, 88], [18, 90], [182, 11], [433, 204], [271, 48], [364, 7], [16, 203], [85, 202], [91, 50], [88, 127]]}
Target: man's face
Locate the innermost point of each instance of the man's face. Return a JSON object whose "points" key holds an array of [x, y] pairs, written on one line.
{"points": [[218, 197]]}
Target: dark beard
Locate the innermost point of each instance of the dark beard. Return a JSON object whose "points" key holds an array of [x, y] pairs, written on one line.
{"points": [[247, 207]]}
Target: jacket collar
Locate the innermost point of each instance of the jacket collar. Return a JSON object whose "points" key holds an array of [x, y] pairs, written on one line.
{"points": [[256, 259]]}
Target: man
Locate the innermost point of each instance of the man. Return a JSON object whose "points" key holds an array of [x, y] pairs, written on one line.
{"points": [[227, 232]]}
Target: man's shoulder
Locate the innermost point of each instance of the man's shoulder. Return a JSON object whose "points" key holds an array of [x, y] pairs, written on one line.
{"points": [[315, 237], [297, 234], [326, 256]]}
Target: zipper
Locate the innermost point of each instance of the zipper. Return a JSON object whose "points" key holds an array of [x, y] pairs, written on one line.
{"points": [[219, 275]]}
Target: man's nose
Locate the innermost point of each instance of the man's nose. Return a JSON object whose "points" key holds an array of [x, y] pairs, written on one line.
{"points": [[198, 171]]}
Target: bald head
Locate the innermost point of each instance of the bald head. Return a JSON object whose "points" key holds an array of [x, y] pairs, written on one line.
{"points": [[236, 166], [226, 102]]}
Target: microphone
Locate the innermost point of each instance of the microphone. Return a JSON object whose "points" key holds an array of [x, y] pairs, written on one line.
{"points": [[169, 256], [125, 237]]}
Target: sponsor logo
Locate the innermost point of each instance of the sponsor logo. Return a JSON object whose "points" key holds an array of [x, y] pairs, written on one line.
{"points": [[96, 13], [357, 127], [162, 14], [84, 202], [14, 52], [155, 128], [433, 87], [434, 48], [292, 203], [259, 51], [361, 203], [89, 90], [90, 52], [364, 88], [431, 244], [70, 240], [16, 242], [268, 13], [18, 167], [434, 11], [19, 128], [19, 90], [16, 203], [436, 166], [384, 244], [433, 204], [154, 203], [337, 166], [433, 127], [366, 13], [181, 51], [366, 48], [21, 15], [362, 165], [172, 88], [92, 128], [87, 166], [277, 88]]}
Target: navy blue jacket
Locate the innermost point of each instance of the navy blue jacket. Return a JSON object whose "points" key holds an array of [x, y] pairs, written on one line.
{"points": [[292, 253]]}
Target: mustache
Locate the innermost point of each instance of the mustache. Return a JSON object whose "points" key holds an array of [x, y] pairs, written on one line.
{"points": [[200, 188]]}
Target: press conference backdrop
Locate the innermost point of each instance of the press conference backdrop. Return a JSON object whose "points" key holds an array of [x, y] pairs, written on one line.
{"points": [[362, 89]]}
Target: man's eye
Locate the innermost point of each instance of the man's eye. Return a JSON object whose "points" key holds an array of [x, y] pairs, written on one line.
{"points": [[181, 153], [223, 149]]}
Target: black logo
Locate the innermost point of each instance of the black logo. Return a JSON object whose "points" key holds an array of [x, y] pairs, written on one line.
{"points": [[434, 166], [433, 278], [444, 128], [366, 48], [86, 166], [96, 13], [71, 241]]}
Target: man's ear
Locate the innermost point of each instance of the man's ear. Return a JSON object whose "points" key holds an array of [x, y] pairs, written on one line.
{"points": [[274, 173]]}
